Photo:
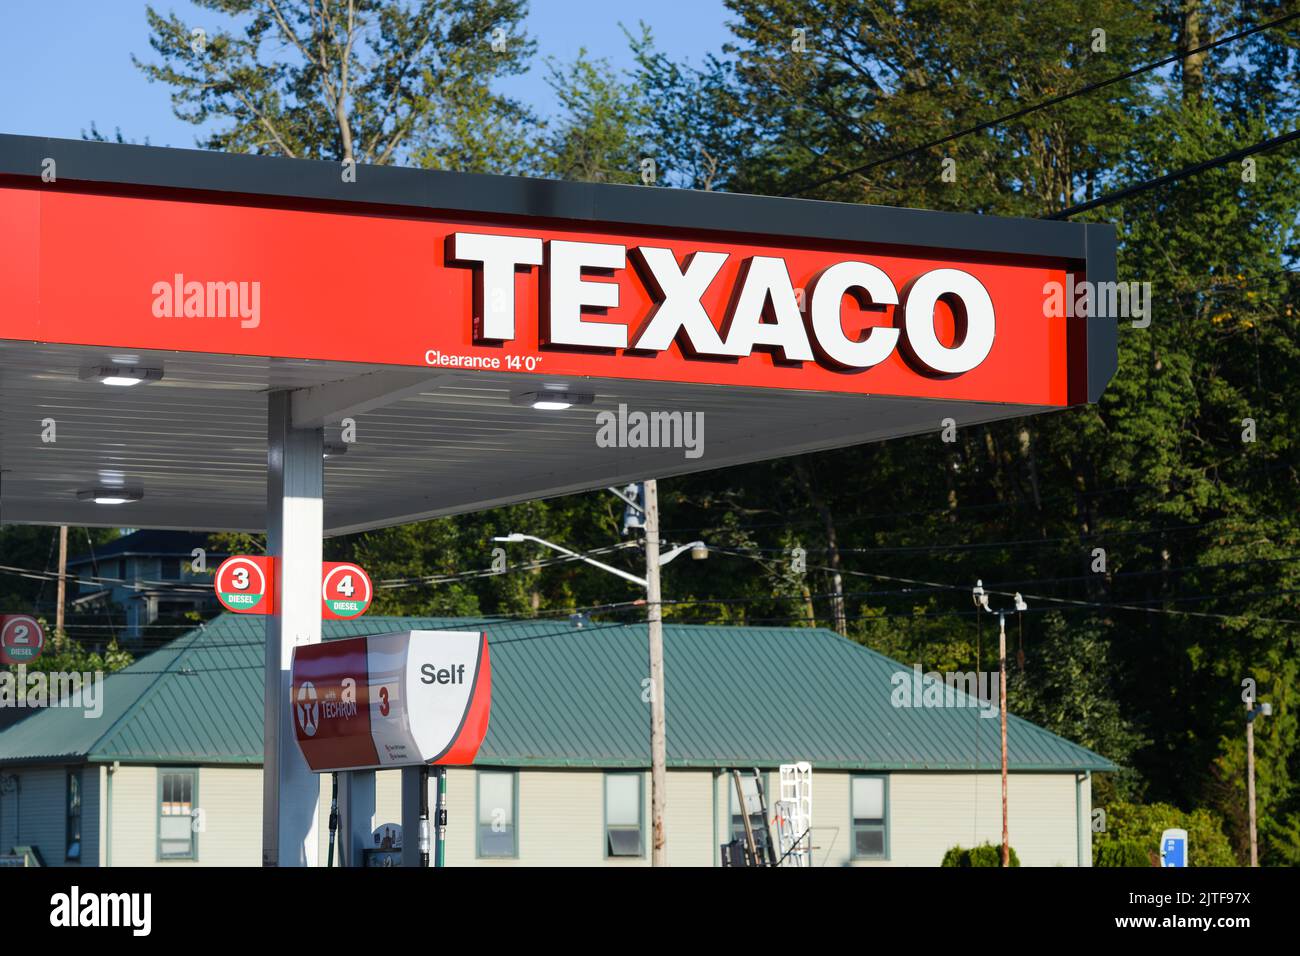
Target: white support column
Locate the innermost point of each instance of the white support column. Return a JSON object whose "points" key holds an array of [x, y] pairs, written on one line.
{"points": [[356, 815], [295, 483]]}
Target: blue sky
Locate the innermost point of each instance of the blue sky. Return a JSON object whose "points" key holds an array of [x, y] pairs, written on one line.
{"points": [[65, 63]]}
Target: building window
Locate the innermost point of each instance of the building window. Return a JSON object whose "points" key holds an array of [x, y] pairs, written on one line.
{"points": [[870, 818], [177, 799], [623, 819], [498, 813], [74, 816], [757, 823], [171, 569]]}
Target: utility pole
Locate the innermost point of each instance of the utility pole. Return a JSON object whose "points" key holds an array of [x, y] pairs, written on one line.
{"points": [[63, 579], [654, 618], [1002, 714], [1250, 787], [1253, 710], [981, 599], [647, 507]]}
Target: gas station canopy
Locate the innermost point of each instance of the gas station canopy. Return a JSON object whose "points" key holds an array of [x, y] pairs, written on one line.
{"points": [[185, 337], [436, 310]]}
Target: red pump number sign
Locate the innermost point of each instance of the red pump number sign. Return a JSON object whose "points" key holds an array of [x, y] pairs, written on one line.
{"points": [[345, 590], [245, 584]]}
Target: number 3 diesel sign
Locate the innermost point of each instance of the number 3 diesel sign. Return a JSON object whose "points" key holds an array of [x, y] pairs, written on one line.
{"points": [[877, 307], [245, 584]]}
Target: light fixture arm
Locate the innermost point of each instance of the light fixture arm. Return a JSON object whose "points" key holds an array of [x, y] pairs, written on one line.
{"points": [[674, 552], [619, 572]]}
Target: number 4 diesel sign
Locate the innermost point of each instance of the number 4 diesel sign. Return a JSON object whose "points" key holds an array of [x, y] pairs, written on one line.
{"points": [[245, 584], [345, 591]]}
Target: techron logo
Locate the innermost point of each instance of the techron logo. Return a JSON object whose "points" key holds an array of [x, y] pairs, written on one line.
{"points": [[77, 909], [305, 709]]}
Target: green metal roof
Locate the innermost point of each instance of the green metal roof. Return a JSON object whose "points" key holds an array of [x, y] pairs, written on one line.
{"points": [[565, 696]]}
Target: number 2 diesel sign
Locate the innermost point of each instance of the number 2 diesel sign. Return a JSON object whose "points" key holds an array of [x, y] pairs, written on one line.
{"points": [[540, 296]]}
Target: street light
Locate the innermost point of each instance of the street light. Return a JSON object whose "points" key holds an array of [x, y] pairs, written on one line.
{"points": [[981, 599], [648, 505], [1253, 710], [699, 551]]}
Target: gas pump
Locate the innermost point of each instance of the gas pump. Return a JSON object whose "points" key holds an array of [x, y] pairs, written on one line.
{"points": [[416, 699]]}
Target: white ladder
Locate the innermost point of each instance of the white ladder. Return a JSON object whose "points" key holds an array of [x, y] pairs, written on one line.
{"points": [[794, 814]]}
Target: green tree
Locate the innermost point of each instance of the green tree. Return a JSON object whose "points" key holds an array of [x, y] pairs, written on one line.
{"points": [[374, 81], [598, 136], [1142, 824]]}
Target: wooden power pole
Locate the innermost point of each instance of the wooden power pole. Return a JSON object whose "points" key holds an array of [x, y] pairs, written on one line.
{"points": [[1250, 781], [654, 616], [1002, 713], [63, 580]]}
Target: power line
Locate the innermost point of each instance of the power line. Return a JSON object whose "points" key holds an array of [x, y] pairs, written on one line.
{"points": [[748, 551], [1068, 601], [1021, 543], [1185, 172], [915, 592], [945, 510], [1043, 104]]}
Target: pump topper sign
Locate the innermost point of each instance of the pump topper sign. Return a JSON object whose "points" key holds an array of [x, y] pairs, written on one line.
{"points": [[21, 639], [391, 700], [245, 584], [545, 296]]}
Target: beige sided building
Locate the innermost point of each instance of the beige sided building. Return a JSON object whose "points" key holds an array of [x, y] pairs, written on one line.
{"points": [[169, 774]]}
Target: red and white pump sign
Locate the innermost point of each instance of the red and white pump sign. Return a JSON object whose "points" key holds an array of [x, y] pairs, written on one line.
{"points": [[245, 584], [392, 700], [345, 591], [21, 639]]}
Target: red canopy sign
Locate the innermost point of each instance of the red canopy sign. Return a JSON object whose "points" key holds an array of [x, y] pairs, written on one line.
{"points": [[555, 299]]}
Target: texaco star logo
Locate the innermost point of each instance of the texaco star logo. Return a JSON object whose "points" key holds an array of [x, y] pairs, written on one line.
{"points": [[305, 709]]}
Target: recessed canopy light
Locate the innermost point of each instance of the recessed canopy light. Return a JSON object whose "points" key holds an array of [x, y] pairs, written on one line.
{"points": [[121, 375], [110, 496], [552, 399]]}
